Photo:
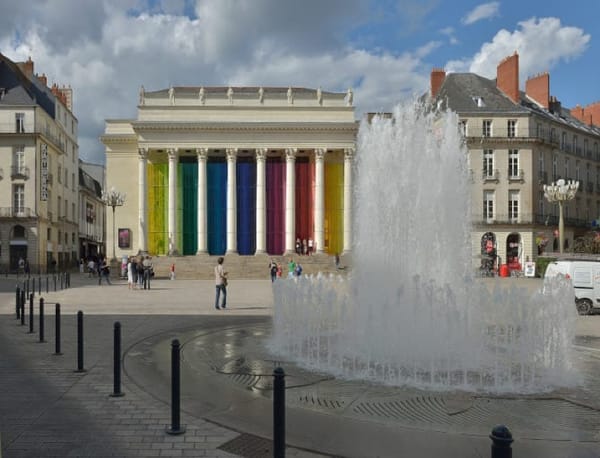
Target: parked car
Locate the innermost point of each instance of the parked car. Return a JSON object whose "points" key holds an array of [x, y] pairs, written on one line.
{"points": [[585, 278]]}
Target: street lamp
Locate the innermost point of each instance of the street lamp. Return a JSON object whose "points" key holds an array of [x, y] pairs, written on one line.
{"points": [[560, 192], [113, 198]]}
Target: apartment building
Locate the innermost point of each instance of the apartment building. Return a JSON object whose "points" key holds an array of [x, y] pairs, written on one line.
{"points": [[39, 180], [518, 141]]}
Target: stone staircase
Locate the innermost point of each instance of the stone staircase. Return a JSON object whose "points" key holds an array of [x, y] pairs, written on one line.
{"points": [[201, 267]]}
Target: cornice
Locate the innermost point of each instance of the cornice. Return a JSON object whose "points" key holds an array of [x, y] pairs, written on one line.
{"points": [[118, 138], [140, 126]]}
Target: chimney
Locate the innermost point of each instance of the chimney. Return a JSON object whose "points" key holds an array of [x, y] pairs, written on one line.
{"points": [[554, 105], [507, 77], [43, 79], [437, 79], [26, 67], [593, 110], [578, 113], [538, 89]]}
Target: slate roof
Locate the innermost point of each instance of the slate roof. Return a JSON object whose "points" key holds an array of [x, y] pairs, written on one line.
{"points": [[87, 182], [21, 90]]}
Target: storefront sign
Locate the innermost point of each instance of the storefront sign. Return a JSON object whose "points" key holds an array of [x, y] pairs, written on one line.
{"points": [[44, 173]]}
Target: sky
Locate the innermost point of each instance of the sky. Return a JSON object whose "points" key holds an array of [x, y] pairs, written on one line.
{"points": [[383, 49]]}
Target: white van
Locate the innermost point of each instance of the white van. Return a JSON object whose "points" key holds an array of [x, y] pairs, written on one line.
{"points": [[585, 277]]}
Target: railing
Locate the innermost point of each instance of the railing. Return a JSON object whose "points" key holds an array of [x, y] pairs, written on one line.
{"points": [[11, 128], [19, 171], [490, 175], [16, 212], [526, 218], [518, 176]]}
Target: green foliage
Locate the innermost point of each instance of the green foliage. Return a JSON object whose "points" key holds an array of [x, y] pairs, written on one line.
{"points": [[541, 264], [589, 243]]}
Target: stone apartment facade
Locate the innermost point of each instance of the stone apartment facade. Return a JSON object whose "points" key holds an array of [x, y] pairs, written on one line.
{"points": [[39, 170], [518, 141]]}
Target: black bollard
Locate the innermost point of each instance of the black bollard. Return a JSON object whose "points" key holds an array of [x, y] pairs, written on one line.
{"points": [[18, 302], [278, 413], [117, 361], [79, 342], [176, 427], [41, 318], [47, 285], [31, 314], [54, 278], [22, 303], [40, 285], [501, 440], [33, 285], [57, 329], [26, 283]]}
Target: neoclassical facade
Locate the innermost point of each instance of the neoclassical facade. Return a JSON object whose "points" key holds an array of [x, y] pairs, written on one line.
{"points": [[242, 170]]}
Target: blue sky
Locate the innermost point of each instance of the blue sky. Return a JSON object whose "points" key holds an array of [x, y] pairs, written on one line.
{"points": [[383, 49]]}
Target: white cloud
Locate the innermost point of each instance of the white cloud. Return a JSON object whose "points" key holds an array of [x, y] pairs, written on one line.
{"points": [[480, 12], [541, 44]]}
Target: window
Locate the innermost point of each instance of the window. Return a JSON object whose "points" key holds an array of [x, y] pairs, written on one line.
{"points": [[577, 170], [486, 128], [19, 198], [488, 205], [541, 200], [66, 209], [553, 135], [567, 169], [73, 181], [49, 234], [554, 167], [19, 158], [73, 216], [488, 163], [511, 128], [513, 205], [563, 140], [513, 163], [66, 178], [462, 125], [59, 174], [19, 123], [59, 207]]}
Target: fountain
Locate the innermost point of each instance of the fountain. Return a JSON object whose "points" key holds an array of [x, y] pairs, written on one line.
{"points": [[411, 312]]}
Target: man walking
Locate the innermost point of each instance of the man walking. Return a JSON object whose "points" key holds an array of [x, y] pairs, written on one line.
{"points": [[220, 283]]}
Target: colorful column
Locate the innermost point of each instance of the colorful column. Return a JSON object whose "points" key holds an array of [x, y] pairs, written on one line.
{"points": [[172, 208], [319, 198], [261, 212], [202, 155], [348, 157], [290, 201], [142, 201], [231, 154]]}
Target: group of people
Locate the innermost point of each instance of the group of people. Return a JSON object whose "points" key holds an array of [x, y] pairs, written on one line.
{"points": [[139, 272], [304, 247], [275, 270]]}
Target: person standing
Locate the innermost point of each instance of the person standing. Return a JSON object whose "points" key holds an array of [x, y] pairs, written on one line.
{"points": [[147, 263], [130, 273], [220, 284], [273, 270], [310, 246], [104, 272], [291, 268]]}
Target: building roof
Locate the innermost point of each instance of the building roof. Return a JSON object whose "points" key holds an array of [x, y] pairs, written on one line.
{"points": [[17, 89], [87, 182]]}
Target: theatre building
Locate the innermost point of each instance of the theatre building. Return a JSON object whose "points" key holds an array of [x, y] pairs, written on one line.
{"points": [[242, 170]]}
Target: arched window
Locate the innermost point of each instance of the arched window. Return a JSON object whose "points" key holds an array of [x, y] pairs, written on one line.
{"points": [[18, 232]]}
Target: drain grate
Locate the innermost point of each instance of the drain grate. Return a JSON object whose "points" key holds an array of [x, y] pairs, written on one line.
{"points": [[249, 446]]}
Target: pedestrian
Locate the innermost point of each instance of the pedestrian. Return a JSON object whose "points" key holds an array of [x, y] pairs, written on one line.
{"points": [[140, 272], [336, 260], [273, 270], [298, 246], [291, 268], [81, 264], [298, 270], [304, 247], [310, 246], [172, 271], [104, 272], [279, 270], [147, 264], [21, 266], [91, 265], [27, 270], [220, 284], [130, 273]]}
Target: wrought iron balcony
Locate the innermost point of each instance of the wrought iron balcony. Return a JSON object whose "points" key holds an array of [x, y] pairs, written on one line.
{"points": [[518, 176], [16, 212], [19, 171], [490, 175]]}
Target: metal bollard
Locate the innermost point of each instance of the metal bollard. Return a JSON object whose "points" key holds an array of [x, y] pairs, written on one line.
{"points": [[278, 413], [62, 280], [41, 319], [57, 329], [33, 285], [31, 314], [54, 278], [18, 302], [22, 303], [80, 342], [47, 285], [40, 285], [117, 361], [501, 440], [176, 427]]}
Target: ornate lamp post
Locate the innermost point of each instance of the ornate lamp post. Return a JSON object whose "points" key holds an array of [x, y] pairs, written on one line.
{"points": [[113, 198], [560, 192]]}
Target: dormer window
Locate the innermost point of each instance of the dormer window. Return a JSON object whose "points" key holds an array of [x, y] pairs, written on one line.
{"points": [[479, 101]]}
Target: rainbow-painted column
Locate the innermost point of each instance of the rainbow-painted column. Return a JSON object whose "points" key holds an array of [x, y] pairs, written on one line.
{"points": [[142, 201]]}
